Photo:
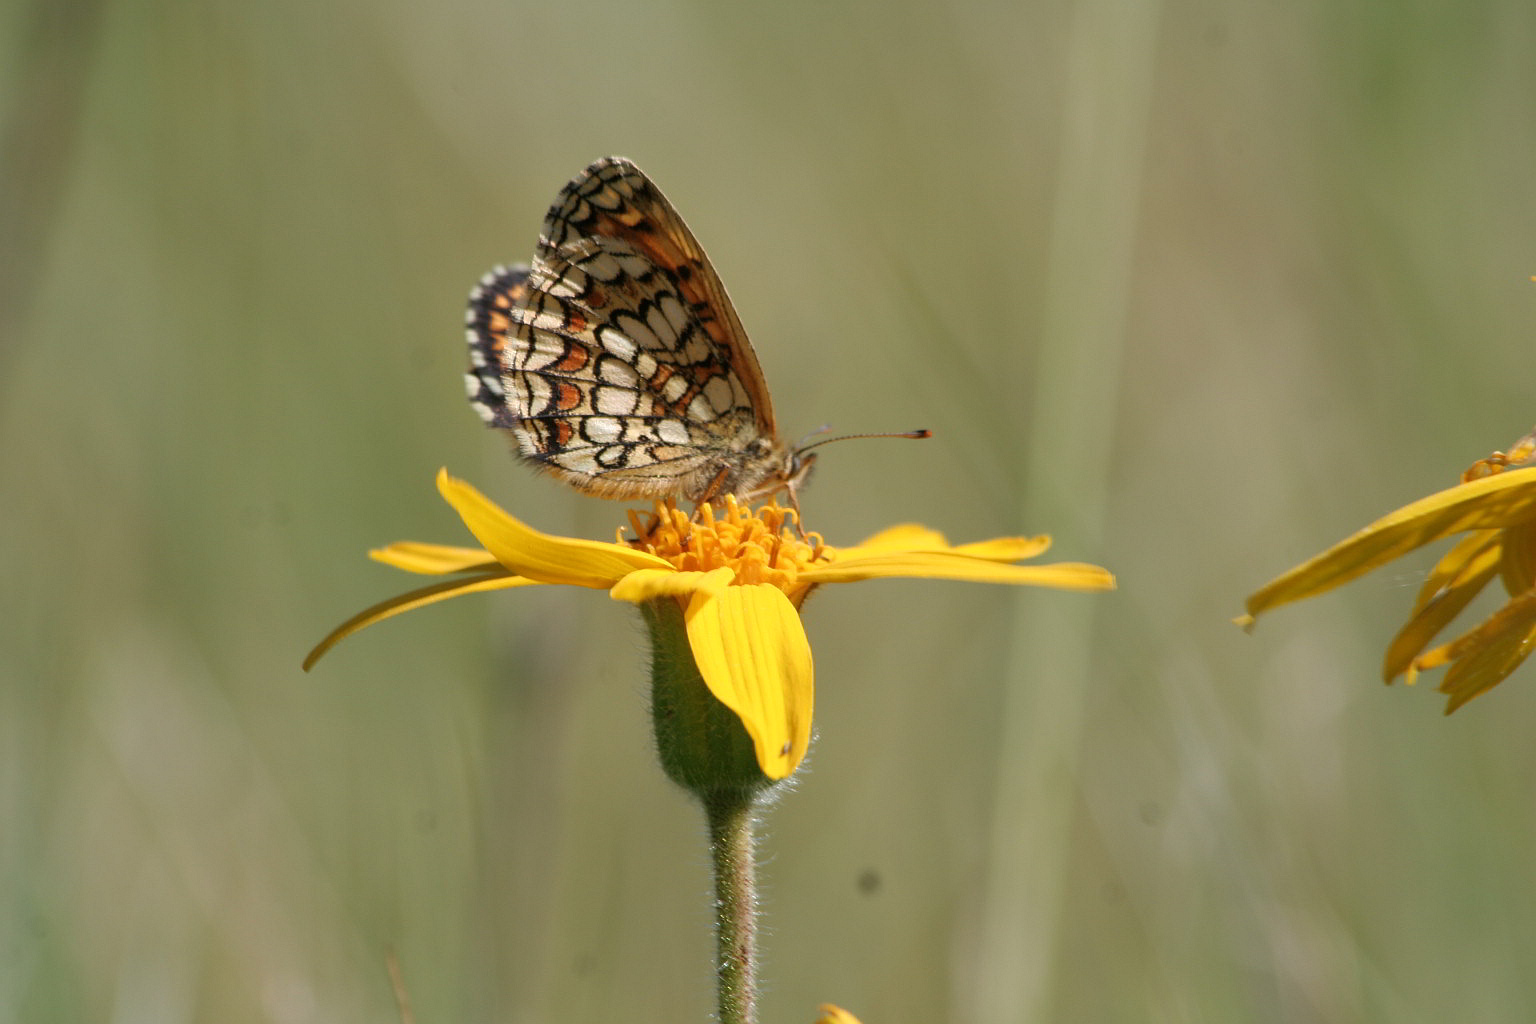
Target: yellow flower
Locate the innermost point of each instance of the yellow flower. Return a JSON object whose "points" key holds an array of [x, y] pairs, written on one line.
{"points": [[831, 1014], [1495, 506], [739, 581]]}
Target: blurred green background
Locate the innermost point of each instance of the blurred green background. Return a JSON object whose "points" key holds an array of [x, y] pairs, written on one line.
{"points": [[1198, 288]]}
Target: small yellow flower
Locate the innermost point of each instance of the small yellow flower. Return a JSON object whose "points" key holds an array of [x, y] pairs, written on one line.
{"points": [[831, 1014], [739, 580], [1495, 506]]}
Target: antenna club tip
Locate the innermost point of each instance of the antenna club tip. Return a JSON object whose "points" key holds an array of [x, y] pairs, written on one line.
{"points": [[909, 434]]}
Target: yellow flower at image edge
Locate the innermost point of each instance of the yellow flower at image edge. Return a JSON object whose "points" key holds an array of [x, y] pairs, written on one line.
{"points": [[739, 580], [1495, 507]]}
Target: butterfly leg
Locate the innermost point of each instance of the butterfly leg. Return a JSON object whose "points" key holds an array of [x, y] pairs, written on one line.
{"points": [[710, 492], [794, 503]]}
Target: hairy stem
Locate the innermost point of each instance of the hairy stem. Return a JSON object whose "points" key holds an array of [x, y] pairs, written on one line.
{"points": [[731, 817]]}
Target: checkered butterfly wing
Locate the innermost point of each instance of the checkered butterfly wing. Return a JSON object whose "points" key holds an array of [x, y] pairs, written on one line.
{"points": [[489, 327], [617, 359]]}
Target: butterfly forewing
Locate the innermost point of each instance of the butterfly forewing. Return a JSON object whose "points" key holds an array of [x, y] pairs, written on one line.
{"points": [[614, 199], [623, 367]]}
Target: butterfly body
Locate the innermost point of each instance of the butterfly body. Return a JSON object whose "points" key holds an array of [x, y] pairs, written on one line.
{"points": [[617, 360]]}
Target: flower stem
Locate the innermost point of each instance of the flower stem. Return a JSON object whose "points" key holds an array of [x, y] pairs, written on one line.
{"points": [[731, 815]]}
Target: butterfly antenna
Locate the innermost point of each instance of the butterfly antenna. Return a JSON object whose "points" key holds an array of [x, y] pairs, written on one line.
{"points": [[800, 445], [916, 435]]}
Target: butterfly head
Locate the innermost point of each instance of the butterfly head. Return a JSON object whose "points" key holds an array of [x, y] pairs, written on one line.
{"points": [[771, 467], [781, 468]]}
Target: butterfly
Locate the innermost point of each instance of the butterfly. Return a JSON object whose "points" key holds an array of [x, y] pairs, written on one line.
{"points": [[616, 359]]}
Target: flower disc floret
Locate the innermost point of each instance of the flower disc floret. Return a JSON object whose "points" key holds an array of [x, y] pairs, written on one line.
{"points": [[761, 547]]}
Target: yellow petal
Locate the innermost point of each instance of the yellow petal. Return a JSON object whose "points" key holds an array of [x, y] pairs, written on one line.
{"points": [[645, 584], [1493, 502], [904, 537], [1485, 656], [433, 559], [539, 556], [945, 565], [912, 537], [1471, 554], [831, 1014], [500, 580], [1005, 549], [1518, 567], [753, 655], [1471, 567]]}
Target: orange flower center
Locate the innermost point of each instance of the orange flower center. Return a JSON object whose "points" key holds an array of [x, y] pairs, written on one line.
{"points": [[761, 546]]}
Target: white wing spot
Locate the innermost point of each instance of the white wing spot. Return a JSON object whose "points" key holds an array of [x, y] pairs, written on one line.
{"points": [[614, 401], [617, 345], [612, 371], [699, 410], [602, 429], [673, 432], [534, 391], [675, 387]]}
